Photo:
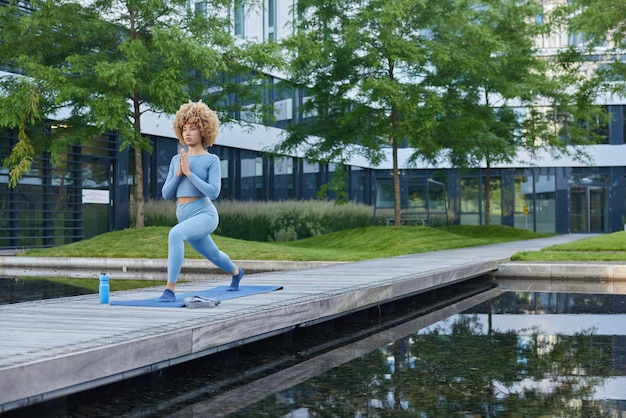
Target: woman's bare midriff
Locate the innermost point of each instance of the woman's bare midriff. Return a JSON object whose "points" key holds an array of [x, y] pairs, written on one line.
{"points": [[186, 199]]}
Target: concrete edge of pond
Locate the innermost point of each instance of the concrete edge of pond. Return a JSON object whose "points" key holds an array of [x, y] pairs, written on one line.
{"points": [[155, 269], [137, 269], [563, 270]]}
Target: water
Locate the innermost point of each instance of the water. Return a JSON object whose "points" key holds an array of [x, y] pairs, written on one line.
{"points": [[16, 289], [472, 353], [519, 354]]}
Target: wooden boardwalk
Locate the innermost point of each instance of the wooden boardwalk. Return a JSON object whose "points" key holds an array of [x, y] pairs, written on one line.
{"points": [[59, 346]]}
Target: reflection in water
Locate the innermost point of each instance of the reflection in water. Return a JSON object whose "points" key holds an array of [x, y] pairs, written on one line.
{"points": [[467, 366], [16, 290]]}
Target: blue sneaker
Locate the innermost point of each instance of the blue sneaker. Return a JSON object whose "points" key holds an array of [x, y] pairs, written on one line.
{"points": [[167, 296], [234, 284]]}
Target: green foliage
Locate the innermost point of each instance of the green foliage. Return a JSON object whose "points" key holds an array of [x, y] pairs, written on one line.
{"points": [[271, 221], [365, 67], [439, 219], [21, 157], [159, 213], [337, 187], [288, 220], [601, 27], [458, 81]]}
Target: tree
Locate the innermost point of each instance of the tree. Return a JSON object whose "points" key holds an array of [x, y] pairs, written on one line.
{"points": [[507, 97], [366, 70], [98, 66], [601, 28], [457, 80]]}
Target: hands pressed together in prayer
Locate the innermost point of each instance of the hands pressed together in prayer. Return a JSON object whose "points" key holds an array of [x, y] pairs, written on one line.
{"points": [[183, 164]]}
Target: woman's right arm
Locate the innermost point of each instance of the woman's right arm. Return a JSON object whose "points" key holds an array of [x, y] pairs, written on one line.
{"points": [[171, 182]]}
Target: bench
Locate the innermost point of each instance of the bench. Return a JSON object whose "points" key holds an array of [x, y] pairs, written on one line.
{"points": [[409, 218]]}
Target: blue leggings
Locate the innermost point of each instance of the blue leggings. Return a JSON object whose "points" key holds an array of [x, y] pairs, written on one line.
{"points": [[196, 222]]}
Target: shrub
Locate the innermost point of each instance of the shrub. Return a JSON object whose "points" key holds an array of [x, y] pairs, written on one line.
{"points": [[158, 213], [288, 220], [271, 221]]}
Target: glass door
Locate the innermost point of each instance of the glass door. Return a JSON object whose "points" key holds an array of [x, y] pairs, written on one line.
{"points": [[96, 198], [598, 209], [588, 209]]}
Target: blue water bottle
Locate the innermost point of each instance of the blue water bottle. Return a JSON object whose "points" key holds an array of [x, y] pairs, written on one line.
{"points": [[104, 288]]}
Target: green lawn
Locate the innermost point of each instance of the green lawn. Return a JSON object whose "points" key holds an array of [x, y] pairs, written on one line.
{"points": [[606, 247], [349, 245]]}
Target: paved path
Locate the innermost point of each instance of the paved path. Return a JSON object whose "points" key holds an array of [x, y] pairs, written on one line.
{"points": [[54, 347]]}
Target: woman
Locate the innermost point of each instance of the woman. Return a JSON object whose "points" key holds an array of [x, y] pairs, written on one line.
{"points": [[194, 178]]}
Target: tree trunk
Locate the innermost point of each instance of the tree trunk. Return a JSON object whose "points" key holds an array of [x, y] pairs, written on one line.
{"points": [[139, 200], [139, 193], [488, 194], [396, 185]]}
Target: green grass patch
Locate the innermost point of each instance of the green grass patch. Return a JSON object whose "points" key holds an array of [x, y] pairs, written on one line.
{"points": [[347, 245], [495, 233], [606, 247], [379, 242]]}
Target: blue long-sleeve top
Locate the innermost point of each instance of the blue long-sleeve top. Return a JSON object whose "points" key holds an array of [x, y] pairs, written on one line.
{"points": [[205, 178]]}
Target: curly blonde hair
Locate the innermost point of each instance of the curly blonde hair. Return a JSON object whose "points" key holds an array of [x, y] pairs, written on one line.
{"points": [[200, 114]]}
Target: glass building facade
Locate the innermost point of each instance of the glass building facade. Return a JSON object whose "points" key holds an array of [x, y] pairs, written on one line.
{"points": [[83, 196], [90, 192]]}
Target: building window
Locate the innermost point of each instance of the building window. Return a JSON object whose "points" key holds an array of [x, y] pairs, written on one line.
{"points": [[200, 8], [545, 200], [283, 178], [524, 212], [45, 208], [576, 39], [260, 176], [239, 18], [357, 184], [470, 201], [310, 176], [248, 174], [271, 20], [225, 166]]}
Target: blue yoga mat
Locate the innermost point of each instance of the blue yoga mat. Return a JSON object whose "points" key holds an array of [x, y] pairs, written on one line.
{"points": [[220, 293]]}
